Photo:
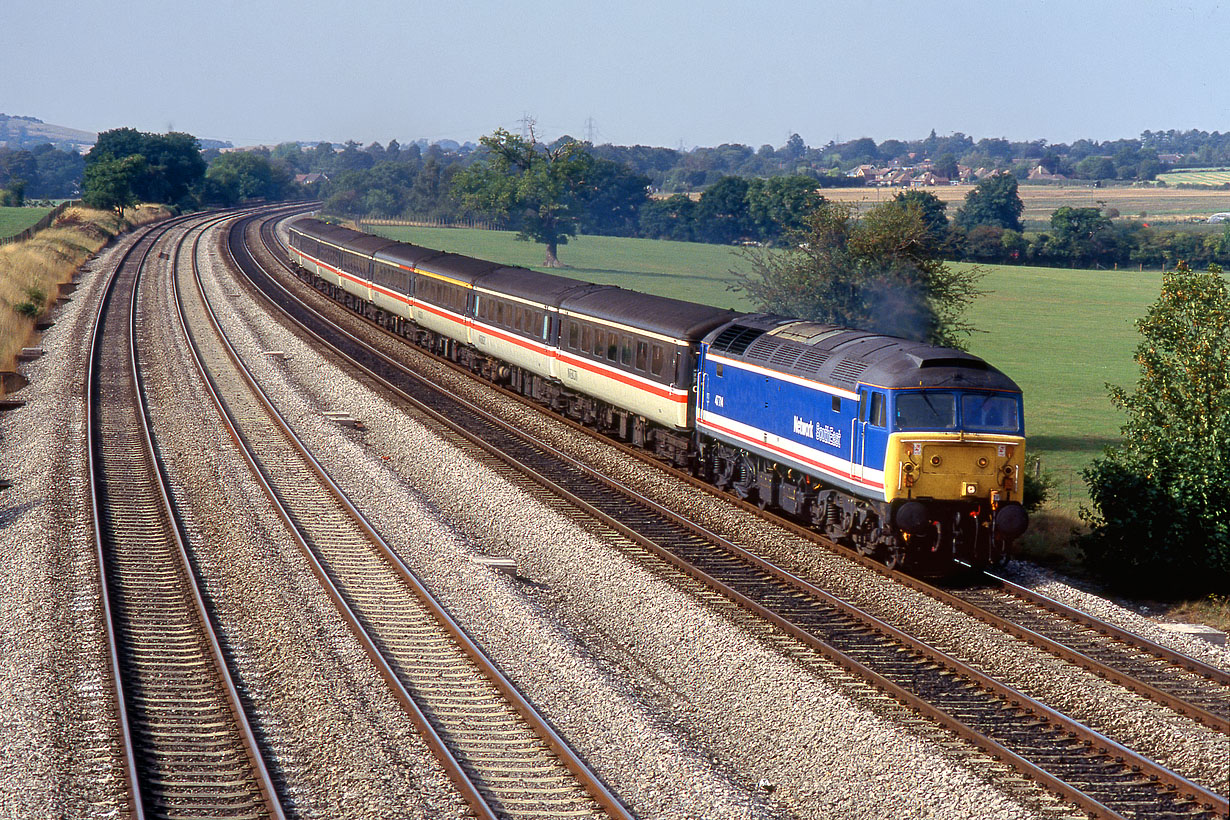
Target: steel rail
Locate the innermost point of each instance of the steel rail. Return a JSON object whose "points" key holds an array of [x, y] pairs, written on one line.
{"points": [[590, 781], [203, 615]]}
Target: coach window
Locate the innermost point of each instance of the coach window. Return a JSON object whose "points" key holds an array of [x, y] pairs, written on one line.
{"points": [[544, 322], [642, 355], [657, 360], [612, 346], [625, 352], [574, 333], [587, 339]]}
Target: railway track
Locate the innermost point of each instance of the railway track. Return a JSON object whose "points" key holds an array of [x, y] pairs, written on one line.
{"points": [[1177, 681], [188, 747], [502, 755], [1093, 771]]}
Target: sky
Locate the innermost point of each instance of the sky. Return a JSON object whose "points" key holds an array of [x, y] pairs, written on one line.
{"points": [[665, 73]]}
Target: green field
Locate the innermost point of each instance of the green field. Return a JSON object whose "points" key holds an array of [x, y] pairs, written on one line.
{"points": [[1197, 176], [1061, 334], [15, 220]]}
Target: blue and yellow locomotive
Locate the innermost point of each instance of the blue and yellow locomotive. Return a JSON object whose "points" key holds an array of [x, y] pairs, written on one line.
{"points": [[909, 452]]}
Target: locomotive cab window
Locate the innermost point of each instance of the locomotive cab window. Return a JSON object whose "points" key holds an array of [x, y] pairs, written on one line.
{"points": [[925, 410], [871, 409], [990, 413]]}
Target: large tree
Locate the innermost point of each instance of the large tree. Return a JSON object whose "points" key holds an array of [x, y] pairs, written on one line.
{"points": [[778, 207], [883, 272], [110, 184], [542, 189], [1160, 520], [993, 201], [1080, 235], [172, 167], [243, 175]]}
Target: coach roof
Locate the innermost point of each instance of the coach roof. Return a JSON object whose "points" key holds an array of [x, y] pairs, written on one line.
{"points": [[656, 314], [531, 285]]}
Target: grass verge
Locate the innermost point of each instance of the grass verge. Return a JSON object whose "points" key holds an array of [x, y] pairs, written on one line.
{"points": [[31, 272]]}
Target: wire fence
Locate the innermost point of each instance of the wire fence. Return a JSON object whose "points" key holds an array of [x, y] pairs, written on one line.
{"points": [[434, 223], [45, 222]]}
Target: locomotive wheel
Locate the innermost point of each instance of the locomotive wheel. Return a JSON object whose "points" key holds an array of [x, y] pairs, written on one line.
{"points": [[894, 556]]}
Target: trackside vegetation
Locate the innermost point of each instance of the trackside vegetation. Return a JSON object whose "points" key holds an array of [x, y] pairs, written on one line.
{"points": [[1160, 513], [32, 271]]}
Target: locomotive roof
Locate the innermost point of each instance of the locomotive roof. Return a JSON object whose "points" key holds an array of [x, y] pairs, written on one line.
{"points": [[844, 357], [533, 285], [669, 317]]}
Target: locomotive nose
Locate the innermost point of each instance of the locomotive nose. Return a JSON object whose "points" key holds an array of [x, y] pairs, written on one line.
{"points": [[1011, 521]]}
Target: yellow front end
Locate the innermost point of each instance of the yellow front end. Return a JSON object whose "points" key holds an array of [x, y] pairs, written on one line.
{"points": [[955, 467]]}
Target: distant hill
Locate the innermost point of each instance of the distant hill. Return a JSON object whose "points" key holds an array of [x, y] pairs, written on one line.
{"points": [[27, 132]]}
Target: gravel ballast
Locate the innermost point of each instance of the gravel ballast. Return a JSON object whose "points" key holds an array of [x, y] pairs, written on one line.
{"points": [[58, 729]]}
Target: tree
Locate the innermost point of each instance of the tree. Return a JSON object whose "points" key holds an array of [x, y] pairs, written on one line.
{"points": [[1160, 520], [670, 218], [721, 215], [613, 198], [541, 189], [1096, 168], [244, 175], [1080, 235], [945, 165], [172, 166], [110, 184], [931, 207], [779, 206], [993, 201], [882, 273]]}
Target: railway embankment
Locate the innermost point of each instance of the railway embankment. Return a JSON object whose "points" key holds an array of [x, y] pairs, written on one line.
{"points": [[35, 272]]}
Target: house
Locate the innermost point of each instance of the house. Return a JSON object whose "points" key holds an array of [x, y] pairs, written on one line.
{"points": [[1040, 173]]}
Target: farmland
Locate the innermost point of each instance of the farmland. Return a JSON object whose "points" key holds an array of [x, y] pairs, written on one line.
{"points": [[16, 220], [1197, 176], [1151, 204], [1061, 334]]}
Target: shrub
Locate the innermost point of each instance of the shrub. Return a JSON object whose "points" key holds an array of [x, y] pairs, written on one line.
{"points": [[1160, 515]]}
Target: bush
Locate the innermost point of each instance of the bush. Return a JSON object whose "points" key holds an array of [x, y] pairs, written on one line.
{"points": [[1160, 515], [1038, 485]]}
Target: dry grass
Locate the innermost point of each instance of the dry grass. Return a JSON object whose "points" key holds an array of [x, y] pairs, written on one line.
{"points": [[31, 272], [1049, 540], [1213, 611]]}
